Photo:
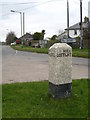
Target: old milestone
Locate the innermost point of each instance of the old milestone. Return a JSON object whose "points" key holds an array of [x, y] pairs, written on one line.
{"points": [[60, 70]]}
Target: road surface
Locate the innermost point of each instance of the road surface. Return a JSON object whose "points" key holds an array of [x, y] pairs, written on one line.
{"points": [[19, 66]]}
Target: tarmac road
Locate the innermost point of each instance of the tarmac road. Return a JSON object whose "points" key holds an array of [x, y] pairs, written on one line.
{"points": [[19, 66]]}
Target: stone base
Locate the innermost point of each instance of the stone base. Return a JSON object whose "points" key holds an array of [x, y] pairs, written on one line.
{"points": [[60, 91]]}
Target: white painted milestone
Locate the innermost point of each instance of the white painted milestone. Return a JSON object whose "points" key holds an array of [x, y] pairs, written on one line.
{"points": [[60, 64]]}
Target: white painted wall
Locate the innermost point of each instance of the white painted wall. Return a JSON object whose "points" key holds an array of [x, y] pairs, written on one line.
{"points": [[71, 33]]}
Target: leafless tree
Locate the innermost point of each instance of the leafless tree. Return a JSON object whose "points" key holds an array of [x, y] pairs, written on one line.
{"points": [[60, 31], [10, 38]]}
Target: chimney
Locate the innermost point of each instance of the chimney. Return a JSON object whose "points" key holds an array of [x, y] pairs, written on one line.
{"points": [[86, 19]]}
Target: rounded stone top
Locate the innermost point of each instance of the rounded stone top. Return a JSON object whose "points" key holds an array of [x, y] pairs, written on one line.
{"points": [[60, 45], [60, 50]]}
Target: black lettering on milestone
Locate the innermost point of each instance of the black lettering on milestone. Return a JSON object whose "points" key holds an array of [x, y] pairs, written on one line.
{"points": [[65, 53]]}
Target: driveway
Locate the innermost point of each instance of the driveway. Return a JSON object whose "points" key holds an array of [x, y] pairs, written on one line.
{"points": [[19, 66]]}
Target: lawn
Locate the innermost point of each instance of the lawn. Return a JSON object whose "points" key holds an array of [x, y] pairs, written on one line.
{"points": [[85, 53], [30, 49], [32, 100]]}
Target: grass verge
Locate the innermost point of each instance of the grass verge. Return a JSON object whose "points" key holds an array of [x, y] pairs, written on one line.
{"points": [[85, 53], [32, 100], [31, 49]]}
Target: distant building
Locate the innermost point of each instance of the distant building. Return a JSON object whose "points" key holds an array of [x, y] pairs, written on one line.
{"points": [[27, 37], [74, 30], [74, 33], [89, 10]]}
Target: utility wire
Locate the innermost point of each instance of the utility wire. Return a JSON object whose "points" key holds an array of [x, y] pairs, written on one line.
{"points": [[16, 3], [42, 3]]}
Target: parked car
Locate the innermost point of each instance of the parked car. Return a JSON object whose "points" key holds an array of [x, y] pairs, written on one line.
{"points": [[14, 43], [17, 41]]}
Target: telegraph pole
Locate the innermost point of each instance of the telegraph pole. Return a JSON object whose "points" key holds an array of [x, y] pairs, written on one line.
{"points": [[67, 18], [23, 23], [80, 24]]}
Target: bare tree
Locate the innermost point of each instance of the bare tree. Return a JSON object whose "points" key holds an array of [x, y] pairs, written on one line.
{"points": [[60, 31], [11, 37]]}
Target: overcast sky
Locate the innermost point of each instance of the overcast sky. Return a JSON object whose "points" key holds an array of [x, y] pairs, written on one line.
{"points": [[50, 15]]}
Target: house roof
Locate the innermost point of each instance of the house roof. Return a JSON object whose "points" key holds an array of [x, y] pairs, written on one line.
{"points": [[26, 36], [77, 26]]}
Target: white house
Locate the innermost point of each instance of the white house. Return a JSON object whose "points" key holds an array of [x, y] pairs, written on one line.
{"points": [[74, 30]]}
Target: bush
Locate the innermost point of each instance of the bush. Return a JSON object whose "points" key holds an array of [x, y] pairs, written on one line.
{"points": [[51, 42]]}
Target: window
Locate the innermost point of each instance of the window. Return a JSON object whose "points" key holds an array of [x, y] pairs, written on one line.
{"points": [[75, 32]]}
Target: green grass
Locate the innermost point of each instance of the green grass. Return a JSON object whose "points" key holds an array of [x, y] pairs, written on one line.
{"points": [[0, 102], [89, 98], [31, 49], [85, 53], [32, 100]]}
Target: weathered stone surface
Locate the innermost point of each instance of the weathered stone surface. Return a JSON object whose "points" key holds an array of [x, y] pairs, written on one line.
{"points": [[60, 70], [60, 64]]}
